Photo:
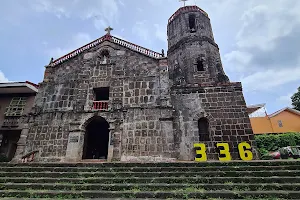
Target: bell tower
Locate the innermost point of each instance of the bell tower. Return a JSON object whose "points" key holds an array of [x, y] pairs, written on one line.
{"points": [[193, 55]]}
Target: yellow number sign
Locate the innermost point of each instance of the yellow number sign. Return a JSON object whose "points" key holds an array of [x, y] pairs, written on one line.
{"points": [[201, 151], [245, 151], [224, 154]]}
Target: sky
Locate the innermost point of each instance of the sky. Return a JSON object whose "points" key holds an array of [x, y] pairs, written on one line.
{"points": [[258, 40]]}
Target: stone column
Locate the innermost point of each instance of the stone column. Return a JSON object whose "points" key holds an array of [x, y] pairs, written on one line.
{"points": [[110, 144], [21, 144], [75, 146]]}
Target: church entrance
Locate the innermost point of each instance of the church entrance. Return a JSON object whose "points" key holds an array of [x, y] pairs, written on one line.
{"points": [[96, 139]]}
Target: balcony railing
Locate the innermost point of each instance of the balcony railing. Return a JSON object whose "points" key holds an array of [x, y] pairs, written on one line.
{"points": [[11, 121], [100, 105]]}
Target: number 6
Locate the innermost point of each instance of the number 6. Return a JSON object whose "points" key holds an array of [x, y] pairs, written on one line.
{"points": [[245, 151]]}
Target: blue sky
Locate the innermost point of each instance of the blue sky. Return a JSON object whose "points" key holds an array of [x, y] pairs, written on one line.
{"points": [[258, 40]]}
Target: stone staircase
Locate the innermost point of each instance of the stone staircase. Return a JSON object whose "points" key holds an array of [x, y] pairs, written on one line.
{"points": [[180, 180]]}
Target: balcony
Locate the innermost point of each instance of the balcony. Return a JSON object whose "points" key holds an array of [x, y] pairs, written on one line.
{"points": [[100, 105], [11, 122]]}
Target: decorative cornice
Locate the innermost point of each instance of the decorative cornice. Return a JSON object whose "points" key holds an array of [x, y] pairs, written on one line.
{"points": [[188, 39], [110, 38], [184, 9]]}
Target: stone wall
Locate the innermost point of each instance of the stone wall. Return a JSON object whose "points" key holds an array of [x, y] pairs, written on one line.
{"points": [[224, 107], [138, 87], [148, 135]]}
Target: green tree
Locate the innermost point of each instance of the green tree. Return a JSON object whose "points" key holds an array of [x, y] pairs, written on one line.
{"points": [[296, 100]]}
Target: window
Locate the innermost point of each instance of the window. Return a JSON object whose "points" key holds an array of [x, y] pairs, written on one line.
{"points": [[203, 127], [105, 53], [200, 66], [101, 94], [192, 23], [280, 123], [104, 56], [16, 106]]}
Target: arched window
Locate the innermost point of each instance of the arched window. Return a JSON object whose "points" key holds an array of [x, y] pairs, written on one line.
{"points": [[203, 127], [192, 23], [200, 66]]}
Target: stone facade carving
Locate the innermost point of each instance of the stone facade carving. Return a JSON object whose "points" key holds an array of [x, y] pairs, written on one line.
{"points": [[154, 103]]}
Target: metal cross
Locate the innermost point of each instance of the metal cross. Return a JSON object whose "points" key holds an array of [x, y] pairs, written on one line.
{"points": [[183, 2], [108, 29]]}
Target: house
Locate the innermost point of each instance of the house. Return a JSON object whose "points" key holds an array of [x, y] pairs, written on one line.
{"points": [[16, 101], [282, 121]]}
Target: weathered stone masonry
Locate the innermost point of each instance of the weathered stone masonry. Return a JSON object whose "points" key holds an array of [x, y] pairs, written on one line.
{"points": [[155, 102]]}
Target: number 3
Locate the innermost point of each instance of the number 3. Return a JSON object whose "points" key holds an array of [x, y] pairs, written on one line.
{"points": [[224, 154], [201, 151]]}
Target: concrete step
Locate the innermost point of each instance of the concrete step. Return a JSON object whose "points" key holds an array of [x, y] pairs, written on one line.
{"points": [[30, 168], [151, 187], [160, 164], [183, 180], [286, 173], [139, 180], [151, 194]]}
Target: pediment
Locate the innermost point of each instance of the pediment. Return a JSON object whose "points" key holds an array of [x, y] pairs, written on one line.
{"points": [[107, 39]]}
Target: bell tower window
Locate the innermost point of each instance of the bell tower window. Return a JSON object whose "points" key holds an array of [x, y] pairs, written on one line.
{"points": [[192, 23], [200, 66]]}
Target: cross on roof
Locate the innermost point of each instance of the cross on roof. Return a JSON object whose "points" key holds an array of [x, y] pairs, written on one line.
{"points": [[183, 2], [108, 29]]}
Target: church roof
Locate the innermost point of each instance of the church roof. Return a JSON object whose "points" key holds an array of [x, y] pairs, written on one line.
{"points": [[112, 39], [186, 8]]}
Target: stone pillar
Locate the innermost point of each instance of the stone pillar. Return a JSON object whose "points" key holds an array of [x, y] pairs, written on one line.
{"points": [[75, 146], [21, 144], [110, 145]]}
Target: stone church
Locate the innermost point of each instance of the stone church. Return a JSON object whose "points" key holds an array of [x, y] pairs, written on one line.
{"points": [[116, 101]]}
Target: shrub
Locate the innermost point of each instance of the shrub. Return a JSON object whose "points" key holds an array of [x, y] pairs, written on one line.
{"points": [[266, 157], [275, 142]]}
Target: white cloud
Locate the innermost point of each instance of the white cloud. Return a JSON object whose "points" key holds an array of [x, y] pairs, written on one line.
{"points": [[238, 60], [100, 24], [140, 29], [270, 79], [101, 11], [285, 99], [160, 32], [262, 25], [76, 41], [55, 7], [264, 32], [2, 77]]}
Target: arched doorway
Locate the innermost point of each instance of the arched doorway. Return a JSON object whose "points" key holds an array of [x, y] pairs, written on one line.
{"points": [[96, 139]]}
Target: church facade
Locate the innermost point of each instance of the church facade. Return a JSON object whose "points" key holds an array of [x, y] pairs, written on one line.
{"points": [[117, 101]]}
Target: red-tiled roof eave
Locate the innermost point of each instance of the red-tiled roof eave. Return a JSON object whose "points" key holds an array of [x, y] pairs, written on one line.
{"points": [[186, 8], [113, 39], [33, 84]]}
